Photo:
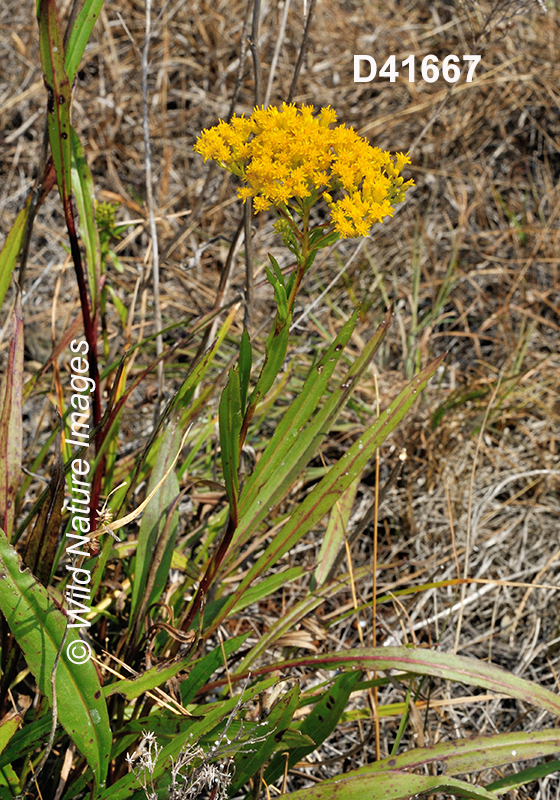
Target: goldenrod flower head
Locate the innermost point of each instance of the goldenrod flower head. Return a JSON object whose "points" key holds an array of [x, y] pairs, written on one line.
{"points": [[287, 156]]}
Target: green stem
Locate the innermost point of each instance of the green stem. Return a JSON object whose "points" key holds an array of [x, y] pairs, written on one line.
{"points": [[302, 261]]}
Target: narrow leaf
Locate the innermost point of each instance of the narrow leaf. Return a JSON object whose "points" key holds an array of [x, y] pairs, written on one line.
{"points": [[422, 661], [156, 676], [230, 426], [153, 525], [334, 537], [58, 88], [8, 728], [523, 777], [214, 714], [245, 358], [392, 785], [79, 36], [82, 184]]}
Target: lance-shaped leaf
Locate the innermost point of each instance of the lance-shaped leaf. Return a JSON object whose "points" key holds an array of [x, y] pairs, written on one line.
{"points": [[82, 184], [11, 248], [155, 525], [336, 481], [335, 534], [230, 426], [472, 755], [392, 785], [134, 687], [422, 661], [79, 36], [245, 358], [11, 432], [58, 88], [523, 777], [38, 627], [296, 438]]}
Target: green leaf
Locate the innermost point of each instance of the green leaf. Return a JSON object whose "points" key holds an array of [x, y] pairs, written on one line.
{"points": [[27, 739], [245, 358], [473, 755], [272, 728], [153, 554], [82, 184], [80, 34], [296, 439], [207, 666], [11, 249], [422, 661], [291, 445], [156, 676], [280, 295], [390, 785], [275, 348], [335, 534], [11, 425], [8, 728], [41, 545], [230, 427], [58, 89], [319, 724], [523, 777], [38, 627]]}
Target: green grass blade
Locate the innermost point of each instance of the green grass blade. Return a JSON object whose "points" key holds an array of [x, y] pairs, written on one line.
{"points": [[38, 627], [11, 425], [79, 36]]}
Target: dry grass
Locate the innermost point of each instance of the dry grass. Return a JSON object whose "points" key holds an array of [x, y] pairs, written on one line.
{"points": [[483, 220]]}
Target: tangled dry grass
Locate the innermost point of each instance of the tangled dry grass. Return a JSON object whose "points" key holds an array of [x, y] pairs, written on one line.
{"points": [[471, 263]]}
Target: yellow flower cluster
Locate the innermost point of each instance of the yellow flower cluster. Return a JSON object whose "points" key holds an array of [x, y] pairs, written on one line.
{"points": [[287, 154]]}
